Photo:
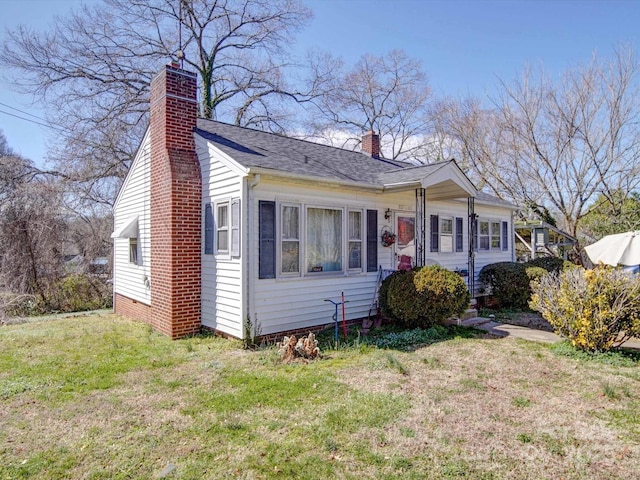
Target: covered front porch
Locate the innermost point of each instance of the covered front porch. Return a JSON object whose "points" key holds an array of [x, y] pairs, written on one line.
{"points": [[438, 227]]}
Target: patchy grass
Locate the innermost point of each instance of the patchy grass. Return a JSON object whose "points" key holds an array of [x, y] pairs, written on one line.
{"points": [[101, 397]]}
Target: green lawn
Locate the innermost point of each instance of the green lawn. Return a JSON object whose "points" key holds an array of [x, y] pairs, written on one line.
{"points": [[101, 397]]}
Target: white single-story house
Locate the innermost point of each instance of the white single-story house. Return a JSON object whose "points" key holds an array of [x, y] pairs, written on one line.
{"points": [[216, 223]]}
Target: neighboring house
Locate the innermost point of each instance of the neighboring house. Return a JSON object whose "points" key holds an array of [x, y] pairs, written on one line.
{"points": [[535, 238], [217, 223]]}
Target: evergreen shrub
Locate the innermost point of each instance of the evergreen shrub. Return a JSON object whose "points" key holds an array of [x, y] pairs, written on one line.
{"points": [[509, 283], [423, 297], [550, 264]]}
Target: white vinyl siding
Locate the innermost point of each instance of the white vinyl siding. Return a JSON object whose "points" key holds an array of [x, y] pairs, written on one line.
{"points": [[222, 273], [132, 271], [289, 302]]}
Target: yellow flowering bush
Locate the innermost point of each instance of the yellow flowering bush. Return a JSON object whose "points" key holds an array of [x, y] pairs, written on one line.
{"points": [[595, 309]]}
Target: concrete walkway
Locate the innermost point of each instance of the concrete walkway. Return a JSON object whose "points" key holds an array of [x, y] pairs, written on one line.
{"points": [[507, 330]]}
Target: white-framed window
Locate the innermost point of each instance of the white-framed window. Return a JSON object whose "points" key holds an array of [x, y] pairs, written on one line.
{"points": [[495, 236], [489, 235], [222, 228], [483, 235], [446, 234], [354, 230], [304, 240], [133, 251], [323, 239], [290, 239]]}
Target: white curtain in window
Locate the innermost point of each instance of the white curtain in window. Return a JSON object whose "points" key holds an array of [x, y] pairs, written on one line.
{"points": [[324, 240]]}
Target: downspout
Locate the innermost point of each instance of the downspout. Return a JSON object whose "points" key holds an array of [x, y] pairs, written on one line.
{"points": [[250, 270]]}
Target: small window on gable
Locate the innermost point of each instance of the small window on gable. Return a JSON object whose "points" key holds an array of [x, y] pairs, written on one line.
{"points": [[133, 250], [222, 228]]}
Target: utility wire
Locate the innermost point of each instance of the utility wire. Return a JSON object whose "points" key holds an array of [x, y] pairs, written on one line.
{"points": [[24, 113], [46, 125]]}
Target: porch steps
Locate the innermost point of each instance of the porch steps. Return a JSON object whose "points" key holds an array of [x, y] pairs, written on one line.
{"points": [[469, 314]]}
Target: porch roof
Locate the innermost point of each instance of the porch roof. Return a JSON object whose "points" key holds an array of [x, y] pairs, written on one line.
{"points": [[442, 180]]}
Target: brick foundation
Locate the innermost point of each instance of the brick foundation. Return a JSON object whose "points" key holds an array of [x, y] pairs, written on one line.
{"points": [[132, 309]]}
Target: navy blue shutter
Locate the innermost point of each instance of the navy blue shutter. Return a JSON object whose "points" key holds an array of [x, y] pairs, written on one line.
{"points": [[267, 235], [475, 234], [208, 229], [505, 236], [459, 237], [435, 234], [372, 240]]}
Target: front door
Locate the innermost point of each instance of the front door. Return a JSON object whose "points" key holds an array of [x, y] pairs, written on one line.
{"points": [[405, 245]]}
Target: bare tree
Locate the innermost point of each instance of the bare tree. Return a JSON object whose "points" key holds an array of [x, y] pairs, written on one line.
{"points": [[32, 229], [4, 146], [558, 145], [388, 95], [92, 72]]}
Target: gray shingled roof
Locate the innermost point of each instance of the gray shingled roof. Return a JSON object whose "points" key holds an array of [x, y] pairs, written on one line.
{"points": [[255, 148]]}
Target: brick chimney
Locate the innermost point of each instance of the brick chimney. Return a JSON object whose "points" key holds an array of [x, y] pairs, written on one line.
{"points": [[176, 199], [371, 144]]}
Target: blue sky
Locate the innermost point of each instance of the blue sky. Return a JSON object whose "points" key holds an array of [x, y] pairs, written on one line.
{"points": [[465, 46]]}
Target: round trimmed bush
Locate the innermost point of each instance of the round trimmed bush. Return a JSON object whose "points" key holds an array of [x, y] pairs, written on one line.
{"points": [[423, 297], [445, 292], [509, 283]]}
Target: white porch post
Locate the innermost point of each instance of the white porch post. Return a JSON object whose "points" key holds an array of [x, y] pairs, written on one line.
{"points": [[420, 230]]}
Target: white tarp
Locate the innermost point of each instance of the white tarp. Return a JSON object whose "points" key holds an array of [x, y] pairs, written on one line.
{"points": [[618, 249]]}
